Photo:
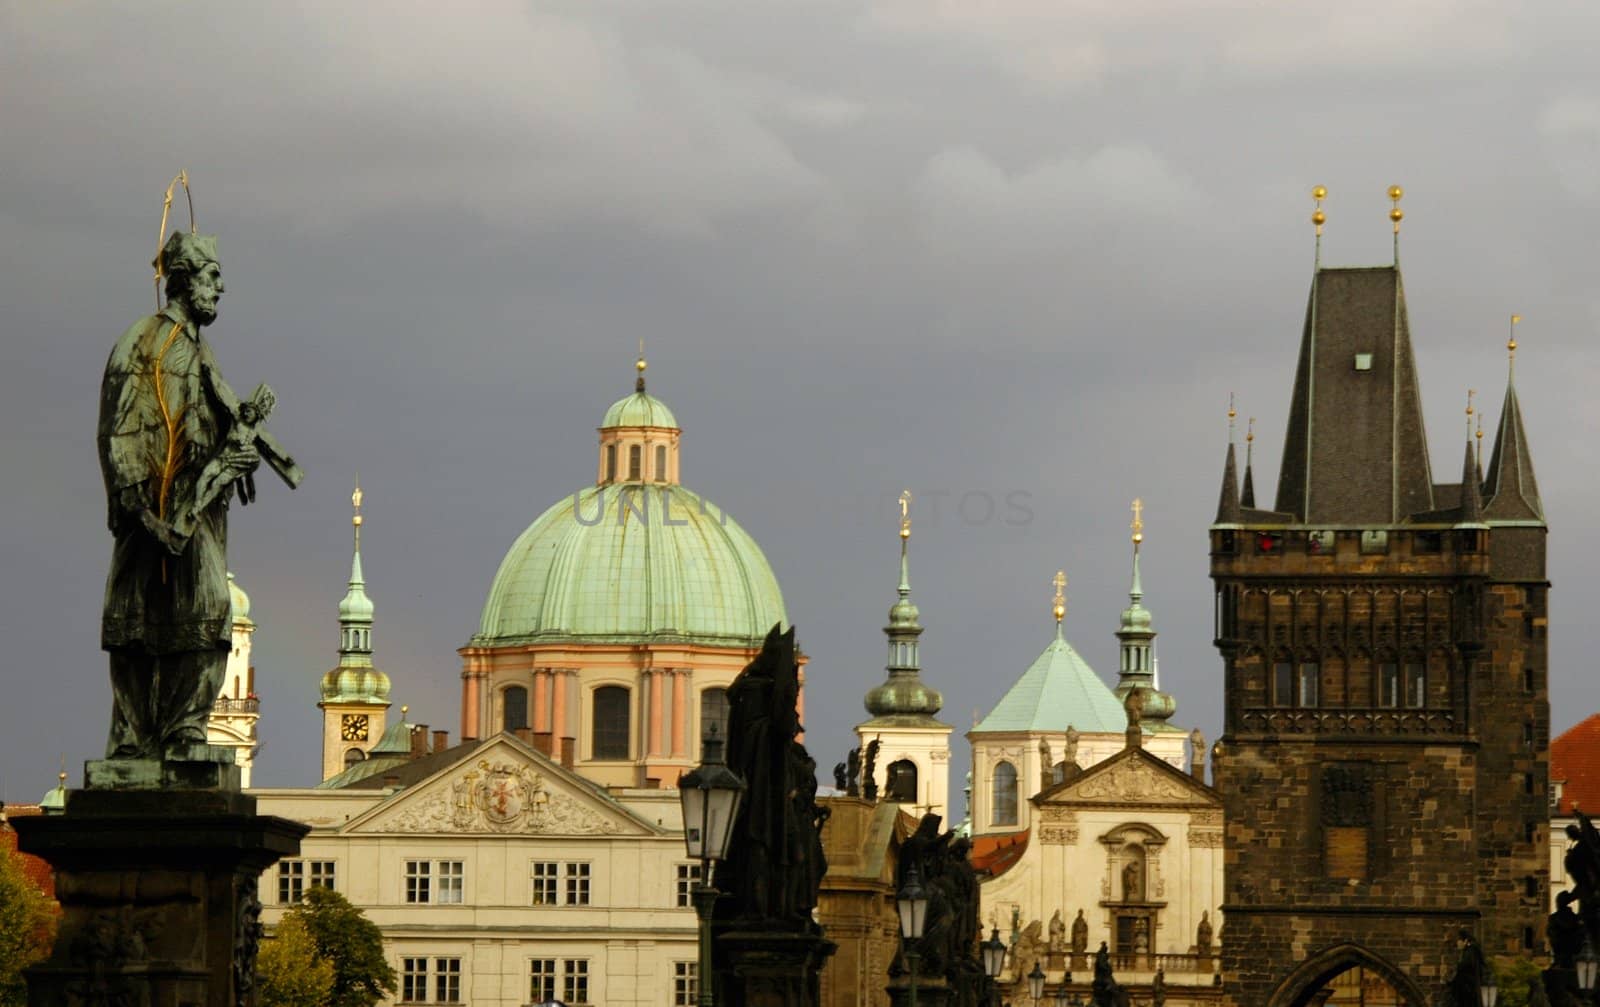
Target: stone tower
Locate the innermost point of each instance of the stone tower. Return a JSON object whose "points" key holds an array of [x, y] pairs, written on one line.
{"points": [[913, 764], [355, 694], [1385, 758]]}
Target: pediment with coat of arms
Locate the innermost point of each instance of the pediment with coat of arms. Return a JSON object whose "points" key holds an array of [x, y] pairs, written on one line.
{"points": [[497, 791], [1133, 778]]}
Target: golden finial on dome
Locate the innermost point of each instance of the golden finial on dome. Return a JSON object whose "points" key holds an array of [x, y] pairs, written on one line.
{"points": [[1060, 582], [1317, 216], [404, 710], [905, 513], [639, 366], [355, 501], [1138, 521]]}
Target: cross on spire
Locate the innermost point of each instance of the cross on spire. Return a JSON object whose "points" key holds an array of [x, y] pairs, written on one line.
{"points": [[1060, 582]]}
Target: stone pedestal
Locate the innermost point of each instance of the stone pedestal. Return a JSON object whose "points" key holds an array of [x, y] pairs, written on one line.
{"points": [[772, 969], [158, 893]]}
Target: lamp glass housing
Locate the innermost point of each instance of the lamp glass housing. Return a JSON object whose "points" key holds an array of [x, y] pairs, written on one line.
{"points": [[1489, 992], [912, 903], [994, 955], [710, 796], [1036, 982], [1587, 964]]}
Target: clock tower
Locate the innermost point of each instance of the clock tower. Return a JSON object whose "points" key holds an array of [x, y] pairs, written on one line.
{"points": [[355, 695]]}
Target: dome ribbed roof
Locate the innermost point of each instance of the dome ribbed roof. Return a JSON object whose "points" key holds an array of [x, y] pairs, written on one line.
{"points": [[239, 602], [346, 684], [640, 409], [669, 566]]}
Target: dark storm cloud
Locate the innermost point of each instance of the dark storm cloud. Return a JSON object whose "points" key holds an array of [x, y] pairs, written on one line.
{"points": [[1017, 249]]}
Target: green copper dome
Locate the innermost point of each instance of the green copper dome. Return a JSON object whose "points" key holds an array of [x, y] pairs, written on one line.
{"points": [[641, 409], [239, 602], [633, 563]]}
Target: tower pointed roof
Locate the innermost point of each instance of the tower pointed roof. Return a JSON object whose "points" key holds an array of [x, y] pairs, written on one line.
{"points": [[1059, 690], [355, 680], [1355, 451], [904, 695], [1228, 501], [1471, 502], [1511, 489], [1247, 494]]}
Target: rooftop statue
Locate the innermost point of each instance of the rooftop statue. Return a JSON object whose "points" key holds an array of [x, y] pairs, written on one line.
{"points": [[176, 444]]}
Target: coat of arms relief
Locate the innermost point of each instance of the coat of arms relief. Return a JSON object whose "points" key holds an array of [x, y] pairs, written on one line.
{"points": [[499, 797]]}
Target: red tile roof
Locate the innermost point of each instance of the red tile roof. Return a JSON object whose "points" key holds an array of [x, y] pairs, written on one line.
{"points": [[1575, 758], [34, 869], [995, 855]]}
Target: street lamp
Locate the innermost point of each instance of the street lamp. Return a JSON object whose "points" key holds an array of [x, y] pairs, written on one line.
{"points": [[1489, 992], [1036, 983], [1062, 999], [710, 794], [994, 960], [912, 902], [1587, 964]]}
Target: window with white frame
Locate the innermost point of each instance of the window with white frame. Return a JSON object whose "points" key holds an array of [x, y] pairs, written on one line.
{"points": [[575, 981], [541, 980], [413, 980], [685, 990], [435, 881], [295, 876], [545, 883], [447, 980], [688, 877], [577, 884]]}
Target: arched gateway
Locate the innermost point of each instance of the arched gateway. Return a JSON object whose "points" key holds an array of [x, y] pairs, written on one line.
{"points": [[1346, 975]]}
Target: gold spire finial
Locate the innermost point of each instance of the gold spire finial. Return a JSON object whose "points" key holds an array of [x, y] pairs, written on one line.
{"points": [[905, 513], [1317, 216], [1231, 414], [1060, 582], [1470, 393], [1396, 214], [355, 501], [1511, 341], [1250, 430], [1138, 521], [403, 711], [639, 366]]}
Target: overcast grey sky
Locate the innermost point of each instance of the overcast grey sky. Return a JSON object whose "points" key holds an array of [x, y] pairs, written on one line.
{"points": [[970, 247]]}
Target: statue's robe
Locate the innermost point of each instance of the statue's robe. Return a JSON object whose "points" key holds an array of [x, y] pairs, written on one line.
{"points": [[164, 412]]}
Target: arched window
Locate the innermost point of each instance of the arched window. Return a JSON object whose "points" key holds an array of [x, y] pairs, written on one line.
{"points": [[514, 708], [635, 462], [354, 756], [611, 463], [902, 782], [610, 732], [714, 713], [661, 463], [1005, 794]]}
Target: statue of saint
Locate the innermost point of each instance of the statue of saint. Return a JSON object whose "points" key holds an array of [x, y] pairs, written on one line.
{"points": [[1133, 882], [1202, 934], [1080, 934], [1565, 931], [1071, 753], [1058, 933], [175, 445]]}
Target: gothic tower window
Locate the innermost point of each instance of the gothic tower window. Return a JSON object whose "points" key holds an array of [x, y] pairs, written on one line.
{"points": [[1005, 794], [1306, 684], [1283, 683], [1388, 684], [514, 708], [902, 782], [1416, 684], [610, 732]]}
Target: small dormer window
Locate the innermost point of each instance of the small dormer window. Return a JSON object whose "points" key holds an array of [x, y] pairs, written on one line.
{"points": [[635, 462]]}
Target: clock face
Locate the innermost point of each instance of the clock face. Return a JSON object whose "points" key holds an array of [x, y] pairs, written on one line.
{"points": [[353, 727]]}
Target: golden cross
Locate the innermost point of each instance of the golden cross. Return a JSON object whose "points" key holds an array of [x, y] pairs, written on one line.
{"points": [[1060, 581], [355, 500], [1511, 342], [1138, 521], [905, 513]]}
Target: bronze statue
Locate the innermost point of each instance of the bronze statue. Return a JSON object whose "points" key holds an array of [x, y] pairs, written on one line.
{"points": [[1565, 931], [869, 772], [776, 862], [175, 445], [1105, 991]]}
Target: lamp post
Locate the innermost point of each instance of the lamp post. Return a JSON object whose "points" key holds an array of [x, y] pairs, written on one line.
{"points": [[1036, 984], [994, 961], [710, 794], [1489, 991], [1062, 1000], [1586, 965], [912, 902]]}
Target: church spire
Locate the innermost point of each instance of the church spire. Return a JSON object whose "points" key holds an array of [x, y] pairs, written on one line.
{"points": [[904, 694], [1247, 495], [355, 611], [1137, 636], [1510, 486], [1228, 502]]}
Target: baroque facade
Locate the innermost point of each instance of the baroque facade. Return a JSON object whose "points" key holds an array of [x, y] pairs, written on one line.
{"points": [[1383, 635]]}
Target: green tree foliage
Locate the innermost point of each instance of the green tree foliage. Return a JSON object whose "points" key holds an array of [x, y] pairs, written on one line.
{"points": [[27, 928], [289, 972], [352, 943], [1514, 977]]}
